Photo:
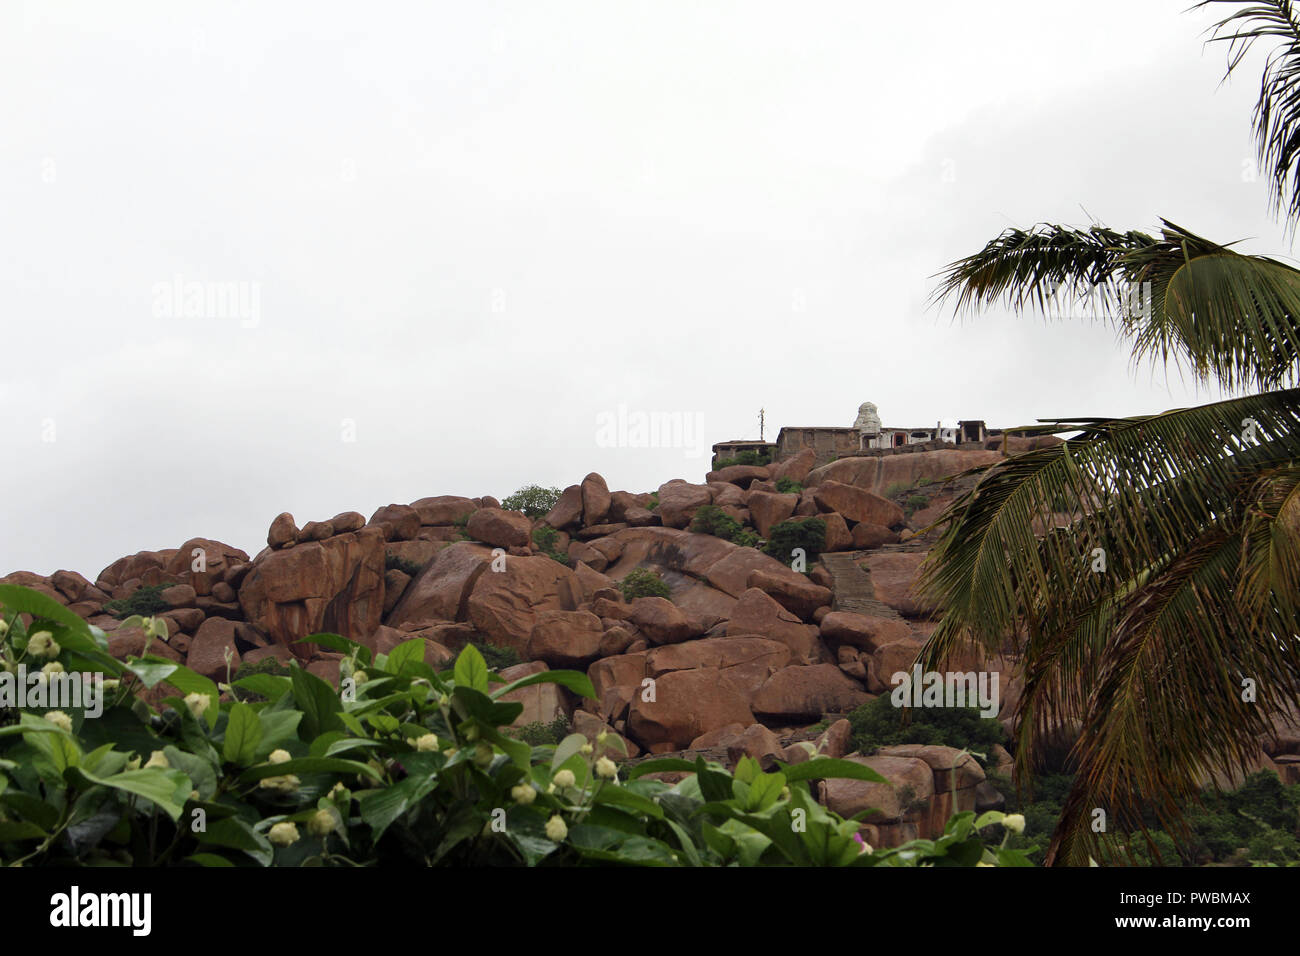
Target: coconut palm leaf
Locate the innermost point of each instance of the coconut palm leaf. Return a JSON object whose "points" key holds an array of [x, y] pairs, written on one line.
{"points": [[1277, 111], [1152, 496], [1231, 317]]}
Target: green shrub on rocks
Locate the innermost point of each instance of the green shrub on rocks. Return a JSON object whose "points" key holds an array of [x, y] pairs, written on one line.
{"points": [[644, 582], [711, 519], [544, 538], [533, 500], [143, 601], [808, 534]]}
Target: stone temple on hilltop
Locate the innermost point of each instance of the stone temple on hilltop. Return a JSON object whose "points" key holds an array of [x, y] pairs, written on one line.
{"points": [[866, 436]]}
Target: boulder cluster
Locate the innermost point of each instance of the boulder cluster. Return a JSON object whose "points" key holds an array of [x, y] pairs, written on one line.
{"points": [[742, 656]]}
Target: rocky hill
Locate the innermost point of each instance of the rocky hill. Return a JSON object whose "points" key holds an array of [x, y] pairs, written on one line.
{"points": [[742, 655]]}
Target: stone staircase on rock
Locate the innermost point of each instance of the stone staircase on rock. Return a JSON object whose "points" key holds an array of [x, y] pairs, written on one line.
{"points": [[852, 586]]}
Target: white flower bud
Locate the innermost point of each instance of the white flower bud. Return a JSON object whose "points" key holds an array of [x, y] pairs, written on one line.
{"points": [[556, 830], [59, 719], [157, 760], [283, 833], [564, 779]]}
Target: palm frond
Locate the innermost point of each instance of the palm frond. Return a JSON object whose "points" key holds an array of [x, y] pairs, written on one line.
{"points": [[1231, 317], [1276, 119]]}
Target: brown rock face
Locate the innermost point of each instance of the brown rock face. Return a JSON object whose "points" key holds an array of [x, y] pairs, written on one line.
{"points": [[207, 654], [792, 591], [283, 531], [143, 567], [860, 630], [566, 639], [567, 512], [685, 705], [742, 475], [502, 529], [850, 797], [896, 657], [543, 703], [894, 577], [504, 604], [441, 590], [754, 741], [838, 537], [443, 509], [757, 613], [399, 522], [661, 622], [718, 652], [795, 468], [857, 504], [679, 500], [624, 670], [596, 500], [333, 585], [877, 474], [316, 531], [767, 509], [867, 536], [202, 562], [808, 692]]}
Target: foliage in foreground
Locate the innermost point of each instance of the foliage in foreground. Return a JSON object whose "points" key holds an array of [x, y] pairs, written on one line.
{"points": [[405, 766]]}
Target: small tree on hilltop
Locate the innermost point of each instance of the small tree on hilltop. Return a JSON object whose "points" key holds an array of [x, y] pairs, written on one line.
{"points": [[533, 500]]}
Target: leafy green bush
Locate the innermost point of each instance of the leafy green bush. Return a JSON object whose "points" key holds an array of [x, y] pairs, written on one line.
{"points": [[533, 500], [711, 519], [143, 601], [395, 562], [644, 582], [401, 766], [806, 533], [538, 734], [914, 504], [544, 538], [878, 723], [788, 486], [498, 658]]}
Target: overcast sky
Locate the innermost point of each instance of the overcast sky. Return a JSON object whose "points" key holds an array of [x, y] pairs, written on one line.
{"points": [[466, 236]]}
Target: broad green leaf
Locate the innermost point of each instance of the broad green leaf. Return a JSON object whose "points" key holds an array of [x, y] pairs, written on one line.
{"points": [[243, 734], [279, 727], [573, 680], [471, 670], [566, 748], [339, 643], [167, 788], [16, 598], [828, 768], [380, 808], [188, 682], [319, 702], [406, 653], [151, 670], [307, 765]]}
